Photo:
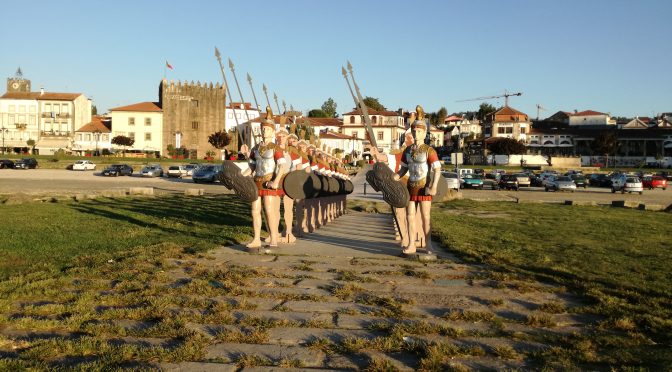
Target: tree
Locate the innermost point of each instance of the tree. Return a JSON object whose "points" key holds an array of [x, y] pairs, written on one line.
{"points": [[94, 110], [437, 118], [484, 109], [123, 141], [373, 104], [507, 146], [31, 143], [605, 143], [329, 107], [317, 113], [219, 140]]}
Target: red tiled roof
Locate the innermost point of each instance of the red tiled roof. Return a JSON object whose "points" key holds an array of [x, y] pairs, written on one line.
{"points": [[334, 135], [587, 113], [42, 96], [506, 110], [323, 122], [452, 118], [142, 106], [96, 124], [373, 112]]}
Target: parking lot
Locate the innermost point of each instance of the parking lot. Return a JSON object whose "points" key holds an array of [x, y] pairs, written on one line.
{"points": [[64, 182]]}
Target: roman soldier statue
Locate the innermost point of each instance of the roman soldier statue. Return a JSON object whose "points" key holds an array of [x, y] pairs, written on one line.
{"points": [[267, 166], [422, 164]]}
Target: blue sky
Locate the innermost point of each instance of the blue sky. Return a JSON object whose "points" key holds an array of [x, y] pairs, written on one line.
{"points": [[611, 56]]}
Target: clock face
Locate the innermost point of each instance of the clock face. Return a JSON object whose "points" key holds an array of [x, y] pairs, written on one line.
{"points": [[15, 85]]}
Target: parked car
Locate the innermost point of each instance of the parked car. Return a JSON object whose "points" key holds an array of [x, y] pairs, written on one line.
{"points": [[190, 168], [177, 171], [26, 163], [523, 179], [152, 170], [206, 173], [509, 182], [579, 180], [626, 183], [493, 176], [471, 181], [6, 163], [559, 183], [479, 171], [83, 165], [599, 180], [654, 182], [452, 180], [118, 170]]}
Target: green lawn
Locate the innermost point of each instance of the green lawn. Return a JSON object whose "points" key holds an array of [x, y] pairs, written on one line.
{"points": [[621, 259], [51, 235]]}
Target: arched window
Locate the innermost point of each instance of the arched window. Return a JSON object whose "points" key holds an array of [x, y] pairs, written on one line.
{"points": [[352, 119]]}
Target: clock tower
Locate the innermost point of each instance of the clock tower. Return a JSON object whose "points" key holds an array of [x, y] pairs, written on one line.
{"points": [[18, 83]]}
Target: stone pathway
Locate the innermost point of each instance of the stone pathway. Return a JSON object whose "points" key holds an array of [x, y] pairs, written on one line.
{"points": [[339, 299]]}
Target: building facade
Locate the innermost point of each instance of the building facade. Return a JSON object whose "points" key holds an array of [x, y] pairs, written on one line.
{"points": [[388, 128], [191, 112], [507, 122], [590, 117], [142, 122], [95, 137]]}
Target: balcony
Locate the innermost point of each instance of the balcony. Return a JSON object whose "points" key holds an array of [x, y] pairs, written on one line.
{"points": [[53, 133], [55, 115], [63, 115], [21, 125]]}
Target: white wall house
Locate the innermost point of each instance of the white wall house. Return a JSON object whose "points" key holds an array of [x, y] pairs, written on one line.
{"points": [[144, 123], [388, 128], [18, 122], [94, 136], [590, 117], [348, 144], [57, 115]]}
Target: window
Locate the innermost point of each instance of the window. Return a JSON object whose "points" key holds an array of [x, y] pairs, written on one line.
{"points": [[354, 134], [374, 119], [22, 108], [64, 108], [194, 125], [194, 103], [131, 135], [230, 115], [31, 119], [105, 137], [352, 120], [88, 137], [148, 136], [131, 121], [380, 135], [505, 130], [47, 107], [79, 136], [31, 109], [148, 122]]}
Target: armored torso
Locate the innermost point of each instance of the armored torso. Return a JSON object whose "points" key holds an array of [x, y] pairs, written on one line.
{"points": [[264, 160], [416, 161]]}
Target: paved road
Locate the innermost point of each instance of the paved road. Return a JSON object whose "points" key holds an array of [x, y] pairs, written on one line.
{"points": [[59, 182]]}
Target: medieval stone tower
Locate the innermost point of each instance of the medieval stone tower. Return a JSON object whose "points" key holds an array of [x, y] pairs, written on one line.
{"points": [[18, 83], [191, 113]]}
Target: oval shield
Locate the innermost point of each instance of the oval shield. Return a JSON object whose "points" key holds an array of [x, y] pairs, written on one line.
{"points": [[233, 179], [296, 185]]}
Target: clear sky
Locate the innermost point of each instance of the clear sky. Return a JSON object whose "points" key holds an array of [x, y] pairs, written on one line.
{"points": [[607, 55]]}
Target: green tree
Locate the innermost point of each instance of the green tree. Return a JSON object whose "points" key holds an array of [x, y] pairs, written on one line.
{"points": [[437, 118], [219, 140], [317, 113], [507, 146], [374, 104], [94, 110], [329, 107], [31, 144], [484, 109], [123, 141], [605, 144]]}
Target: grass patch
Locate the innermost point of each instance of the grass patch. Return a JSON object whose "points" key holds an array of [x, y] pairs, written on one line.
{"points": [[50, 236], [620, 260]]}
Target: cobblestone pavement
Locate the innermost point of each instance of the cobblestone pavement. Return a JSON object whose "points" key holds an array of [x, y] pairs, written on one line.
{"points": [[340, 299]]}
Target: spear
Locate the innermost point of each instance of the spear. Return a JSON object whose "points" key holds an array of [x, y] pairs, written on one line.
{"points": [[242, 100], [359, 102], [249, 80], [228, 93], [284, 105], [268, 101], [275, 97]]}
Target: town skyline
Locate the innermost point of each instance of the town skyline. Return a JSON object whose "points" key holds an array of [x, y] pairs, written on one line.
{"points": [[566, 57]]}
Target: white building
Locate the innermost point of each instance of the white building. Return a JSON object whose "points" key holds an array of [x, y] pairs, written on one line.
{"points": [[349, 145], [46, 117], [238, 114], [464, 125], [590, 117], [388, 128], [95, 136], [143, 122]]}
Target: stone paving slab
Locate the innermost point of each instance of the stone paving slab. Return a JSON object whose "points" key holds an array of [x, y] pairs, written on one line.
{"points": [[300, 336], [326, 307], [198, 367], [231, 352]]}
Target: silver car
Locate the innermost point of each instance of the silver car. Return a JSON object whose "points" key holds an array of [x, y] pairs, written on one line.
{"points": [[452, 180], [152, 171], [560, 183]]}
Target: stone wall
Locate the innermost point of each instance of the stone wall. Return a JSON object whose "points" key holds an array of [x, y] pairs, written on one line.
{"points": [[193, 111]]}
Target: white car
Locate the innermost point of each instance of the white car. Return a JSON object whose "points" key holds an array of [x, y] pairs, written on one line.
{"points": [[452, 180], [178, 171], [627, 184], [83, 165]]}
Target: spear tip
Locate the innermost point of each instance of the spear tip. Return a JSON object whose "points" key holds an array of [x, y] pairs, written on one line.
{"points": [[349, 66], [263, 86], [249, 78], [343, 71], [230, 64], [217, 53]]}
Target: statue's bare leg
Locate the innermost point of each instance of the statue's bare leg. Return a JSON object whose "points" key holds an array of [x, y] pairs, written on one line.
{"points": [[410, 220], [256, 223], [426, 210], [288, 235], [402, 225], [272, 207]]}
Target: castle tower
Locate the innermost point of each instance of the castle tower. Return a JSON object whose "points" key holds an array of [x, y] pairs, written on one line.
{"points": [[191, 113], [18, 83]]}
